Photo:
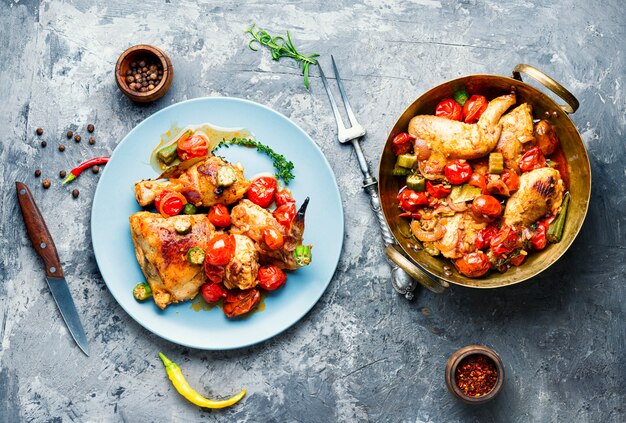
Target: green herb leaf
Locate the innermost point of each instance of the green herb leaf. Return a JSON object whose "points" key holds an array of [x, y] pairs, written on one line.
{"points": [[279, 48], [284, 168]]}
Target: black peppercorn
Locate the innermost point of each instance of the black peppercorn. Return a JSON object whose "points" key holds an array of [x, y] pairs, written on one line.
{"points": [[69, 134], [37, 173], [62, 147], [95, 169], [90, 127], [92, 140], [77, 138], [75, 193], [39, 131], [43, 144], [46, 183], [62, 174]]}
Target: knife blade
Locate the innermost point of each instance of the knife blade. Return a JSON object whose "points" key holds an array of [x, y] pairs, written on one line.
{"points": [[44, 246]]}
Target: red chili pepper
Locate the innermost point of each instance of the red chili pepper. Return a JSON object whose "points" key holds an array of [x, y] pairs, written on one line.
{"points": [[75, 173]]}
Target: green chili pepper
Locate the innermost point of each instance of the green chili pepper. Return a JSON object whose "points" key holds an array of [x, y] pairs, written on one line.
{"points": [[461, 97], [142, 291], [302, 255]]}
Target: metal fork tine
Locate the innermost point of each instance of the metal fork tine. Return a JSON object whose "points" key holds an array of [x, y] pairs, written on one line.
{"points": [[340, 124], [344, 97]]}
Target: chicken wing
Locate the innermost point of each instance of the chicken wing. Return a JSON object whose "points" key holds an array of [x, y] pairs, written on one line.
{"points": [[540, 194], [517, 129], [458, 140], [243, 268], [162, 254], [199, 184]]}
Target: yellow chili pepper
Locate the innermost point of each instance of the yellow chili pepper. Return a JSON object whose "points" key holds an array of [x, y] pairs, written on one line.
{"points": [[183, 388]]}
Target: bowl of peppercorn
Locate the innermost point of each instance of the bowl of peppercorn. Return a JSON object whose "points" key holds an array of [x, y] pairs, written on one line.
{"points": [[475, 374], [144, 73]]}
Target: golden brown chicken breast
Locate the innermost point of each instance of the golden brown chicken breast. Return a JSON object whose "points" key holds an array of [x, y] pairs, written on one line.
{"points": [[517, 129], [243, 269]]}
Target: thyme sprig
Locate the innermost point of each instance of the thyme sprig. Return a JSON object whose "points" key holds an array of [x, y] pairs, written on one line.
{"points": [[284, 168], [281, 47]]}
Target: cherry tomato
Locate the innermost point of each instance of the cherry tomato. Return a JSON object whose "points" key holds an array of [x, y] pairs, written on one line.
{"points": [[474, 108], [449, 109], [213, 273], [517, 260], [213, 292], [561, 165], [539, 240], [546, 137], [220, 249], [473, 265], [219, 216], [284, 214], [411, 200], [190, 146], [532, 159], [458, 171], [170, 203], [283, 197], [239, 302], [484, 236], [273, 239], [271, 278], [486, 207], [402, 143], [510, 179], [504, 242], [479, 181], [262, 190], [439, 190]]}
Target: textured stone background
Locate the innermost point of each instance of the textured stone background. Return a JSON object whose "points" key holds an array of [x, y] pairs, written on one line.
{"points": [[363, 353]]}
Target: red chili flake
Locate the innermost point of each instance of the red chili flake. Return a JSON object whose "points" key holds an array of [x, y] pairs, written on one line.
{"points": [[476, 375]]}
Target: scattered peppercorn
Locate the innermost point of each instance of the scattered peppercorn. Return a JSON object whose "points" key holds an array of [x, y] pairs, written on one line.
{"points": [[39, 131], [90, 127], [95, 169], [75, 193], [77, 138], [46, 183], [44, 144], [62, 174], [37, 173], [62, 147], [476, 375], [92, 140], [69, 134], [144, 76]]}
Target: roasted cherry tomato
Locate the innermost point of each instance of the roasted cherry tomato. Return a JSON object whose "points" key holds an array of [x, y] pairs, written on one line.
{"points": [[219, 216], [411, 200], [402, 143], [504, 242], [449, 109], [532, 159], [284, 214], [486, 207], [273, 239], [213, 273], [546, 137], [473, 265], [213, 292], [220, 249], [438, 190], [474, 108], [262, 190], [271, 277], [190, 146], [510, 179], [458, 171], [239, 302], [479, 181], [283, 197], [484, 236], [517, 260], [539, 240], [170, 203]]}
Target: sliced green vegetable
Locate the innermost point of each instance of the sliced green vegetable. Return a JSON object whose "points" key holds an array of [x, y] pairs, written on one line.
{"points": [[142, 291], [168, 154], [195, 256], [400, 171], [226, 176], [302, 255], [461, 97], [416, 182], [555, 230], [182, 226], [463, 193], [406, 160], [496, 163], [189, 209]]}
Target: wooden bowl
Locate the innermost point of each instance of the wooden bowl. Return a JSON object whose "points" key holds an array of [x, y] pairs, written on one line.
{"points": [[454, 362], [144, 52]]}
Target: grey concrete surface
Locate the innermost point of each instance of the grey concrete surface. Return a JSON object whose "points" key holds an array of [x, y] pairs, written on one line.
{"points": [[363, 353]]}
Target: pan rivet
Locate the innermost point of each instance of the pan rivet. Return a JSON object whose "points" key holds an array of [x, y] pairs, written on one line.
{"points": [[22, 191], [42, 245], [53, 269]]}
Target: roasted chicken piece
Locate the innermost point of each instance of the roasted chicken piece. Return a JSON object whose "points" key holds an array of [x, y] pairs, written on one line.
{"points": [[162, 253], [458, 140], [206, 182], [251, 220], [243, 268], [453, 236], [517, 129], [540, 194]]}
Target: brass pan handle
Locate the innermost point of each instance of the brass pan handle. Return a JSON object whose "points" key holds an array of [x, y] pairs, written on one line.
{"points": [[435, 285], [549, 83]]}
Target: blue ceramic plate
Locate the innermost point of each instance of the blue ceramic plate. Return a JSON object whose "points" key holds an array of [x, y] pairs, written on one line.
{"points": [[183, 323]]}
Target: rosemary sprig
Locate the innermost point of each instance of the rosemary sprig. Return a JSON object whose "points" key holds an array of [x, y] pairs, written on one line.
{"points": [[284, 168], [281, 47]]}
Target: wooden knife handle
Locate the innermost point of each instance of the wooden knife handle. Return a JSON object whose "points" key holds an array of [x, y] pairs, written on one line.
{"points": [[38, 232]]}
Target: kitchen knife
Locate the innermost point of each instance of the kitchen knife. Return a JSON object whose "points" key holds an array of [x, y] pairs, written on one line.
{"points": [[42, 241]]}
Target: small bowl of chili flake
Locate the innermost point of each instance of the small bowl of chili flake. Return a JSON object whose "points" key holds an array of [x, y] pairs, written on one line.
{"points": [[475, 374]]}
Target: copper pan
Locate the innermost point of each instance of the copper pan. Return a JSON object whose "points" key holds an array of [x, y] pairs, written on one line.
{"points": [[436, 273]]}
